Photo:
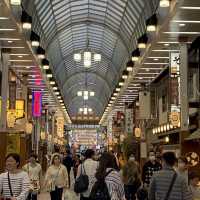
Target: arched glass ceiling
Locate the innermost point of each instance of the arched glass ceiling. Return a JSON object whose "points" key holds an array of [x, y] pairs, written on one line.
{"points": [[111, 27]]}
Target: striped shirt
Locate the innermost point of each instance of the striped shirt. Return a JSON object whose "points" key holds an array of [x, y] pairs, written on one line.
{"points": [[160, 185], [115, 185], [20, 185]]}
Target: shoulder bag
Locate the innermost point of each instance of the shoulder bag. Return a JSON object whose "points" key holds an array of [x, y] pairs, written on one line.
{"points": [[51, 185], [171, 186], [82, 182], [9, 185]]}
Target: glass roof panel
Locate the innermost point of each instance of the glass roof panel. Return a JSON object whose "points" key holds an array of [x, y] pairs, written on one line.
{"points": [[109, 27]]}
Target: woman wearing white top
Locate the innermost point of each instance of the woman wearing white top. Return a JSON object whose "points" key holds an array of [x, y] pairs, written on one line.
{"points": [[34, 171], [56, 178], [14, 183]]}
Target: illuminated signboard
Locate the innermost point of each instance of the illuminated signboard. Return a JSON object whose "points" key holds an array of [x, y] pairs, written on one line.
{"points": [[36, 103], [19, 108]]}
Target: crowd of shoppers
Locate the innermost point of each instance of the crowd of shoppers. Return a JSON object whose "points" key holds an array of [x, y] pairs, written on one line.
{"points": [[105, 177]]}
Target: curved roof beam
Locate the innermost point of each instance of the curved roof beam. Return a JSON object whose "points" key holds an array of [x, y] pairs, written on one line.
{"points": [[88, 22], [83, 72]]}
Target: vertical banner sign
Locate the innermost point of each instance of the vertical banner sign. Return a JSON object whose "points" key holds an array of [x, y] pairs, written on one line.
{"points": [[12, 94], [60, 127], [175, 89], [36, 103], [129, 121], [110, 136]]}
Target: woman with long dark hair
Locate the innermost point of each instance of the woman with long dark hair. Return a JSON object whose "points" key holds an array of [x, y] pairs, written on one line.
{"points": [[107, 163], [131, 179]]}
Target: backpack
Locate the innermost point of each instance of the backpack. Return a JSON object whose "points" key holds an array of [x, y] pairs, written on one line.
{"points": [[100, 190], [82, 182]]}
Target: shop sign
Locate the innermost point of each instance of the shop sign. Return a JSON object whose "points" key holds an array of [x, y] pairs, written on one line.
{"points": [[29, 128], [138, 132], [12, 94], [174, 64], [129, 121], [60, 126], [11, 118], [36, 103], [175, 119]]}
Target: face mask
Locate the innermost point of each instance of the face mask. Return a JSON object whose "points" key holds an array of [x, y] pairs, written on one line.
{"points": [[152, 158], [132, 158]]}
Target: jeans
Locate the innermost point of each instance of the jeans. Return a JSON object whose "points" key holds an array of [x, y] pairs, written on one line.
{"points": [[84, 198], [56, 194], [32, 196], [130, 192]]}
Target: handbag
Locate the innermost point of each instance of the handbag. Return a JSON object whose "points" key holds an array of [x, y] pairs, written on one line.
{"points": [[171, 186], [82, 182], [51, 185]]}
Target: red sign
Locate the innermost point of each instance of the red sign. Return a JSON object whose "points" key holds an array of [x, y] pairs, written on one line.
{"points": [[36, 103]]}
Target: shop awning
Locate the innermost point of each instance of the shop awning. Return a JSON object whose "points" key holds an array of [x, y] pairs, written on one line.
{"points": [[194, 136]]}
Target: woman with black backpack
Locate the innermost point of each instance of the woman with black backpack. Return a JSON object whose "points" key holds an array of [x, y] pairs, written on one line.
{"points": [[109, 185]]}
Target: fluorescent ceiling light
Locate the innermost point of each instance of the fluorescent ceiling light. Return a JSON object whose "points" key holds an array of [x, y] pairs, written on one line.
{"points": [[14, 39], [20, 60], [182, 32], [3, 18], [77, 57], [97, 57], [156, 63], [19, 54], [164, 3], [92, 93], [190, 7], [165, 50], [159, 57], [143, 73], [182, 25], [7, 29], [15, 2], [7, 47], [187, 21]]}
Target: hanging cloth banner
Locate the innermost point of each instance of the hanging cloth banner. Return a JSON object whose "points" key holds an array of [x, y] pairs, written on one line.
{"points": [[36, 103]]}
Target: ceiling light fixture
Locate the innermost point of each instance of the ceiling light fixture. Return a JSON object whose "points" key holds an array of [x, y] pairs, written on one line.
{"points": [[121, 82], [190, 7], [142, 41], [10, 39], [15, 2], [40, 53], [49, 73], [182, 25], [35, 39], [7, 29], [151, 23], [164, 3], [125, 75], [129, 66], [136, 54], [45, 64], [118, 89], [26, 20], [182, 32], [4, 18]]}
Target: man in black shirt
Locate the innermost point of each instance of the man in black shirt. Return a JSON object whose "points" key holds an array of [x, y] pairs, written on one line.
{"points": [[149, 168], [68, 162]]}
